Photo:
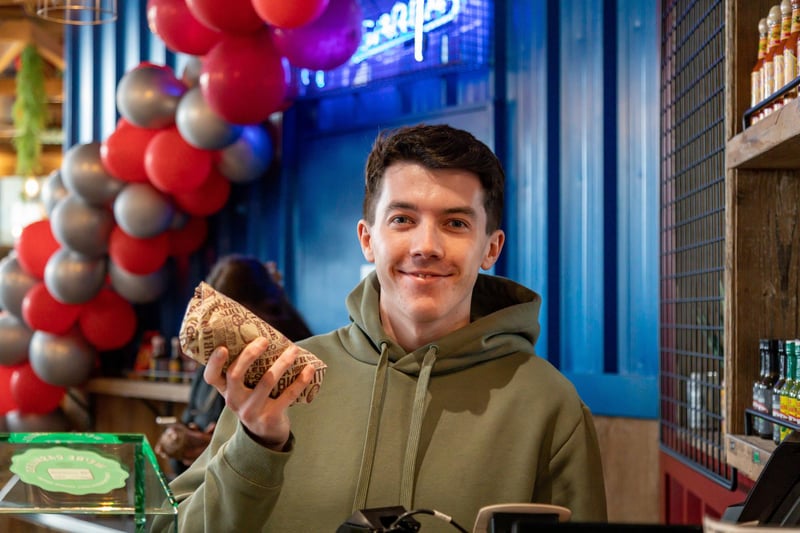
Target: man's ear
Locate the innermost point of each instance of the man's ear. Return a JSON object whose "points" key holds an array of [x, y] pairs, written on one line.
{"points": [[493, 249], [365, 240]]}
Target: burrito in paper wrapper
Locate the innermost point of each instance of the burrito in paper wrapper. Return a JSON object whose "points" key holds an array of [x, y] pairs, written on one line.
{"points": [[212, 319]]}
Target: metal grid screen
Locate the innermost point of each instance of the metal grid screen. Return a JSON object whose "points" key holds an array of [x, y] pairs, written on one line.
{"points": [[692, 234]]}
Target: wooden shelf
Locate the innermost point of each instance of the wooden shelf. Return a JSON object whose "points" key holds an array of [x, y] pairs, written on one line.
{"points": [[142, 389], [748, 453], [772, 143]]}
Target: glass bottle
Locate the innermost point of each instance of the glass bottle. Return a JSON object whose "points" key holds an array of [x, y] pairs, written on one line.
{"points": [[758, 386], [774, 37], [777, 60], [175, 360], [756, 75], [794, 391], [776, 391], [790, 52], [770, 377], [791, 364], [158, 361]]}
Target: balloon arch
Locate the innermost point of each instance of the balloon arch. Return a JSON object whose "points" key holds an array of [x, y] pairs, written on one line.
{"points": [[118, 209]]}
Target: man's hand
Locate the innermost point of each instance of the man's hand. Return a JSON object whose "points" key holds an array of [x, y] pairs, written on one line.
{"points": [[265, 419]]}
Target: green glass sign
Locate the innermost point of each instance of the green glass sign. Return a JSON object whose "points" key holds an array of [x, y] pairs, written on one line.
{"points": [[73, 471]]}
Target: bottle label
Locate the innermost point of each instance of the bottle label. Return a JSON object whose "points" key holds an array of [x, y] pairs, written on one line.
{"points": [[789, 65], [755, 88], [776, 405], [784, 409], [769, 79]]}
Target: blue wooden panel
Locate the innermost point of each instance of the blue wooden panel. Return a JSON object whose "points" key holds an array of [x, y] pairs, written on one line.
{"points": [[527, 209], [132, 34], [617, 394], [582, 312], [107, 98], [327, 257], [85, 110], [638, 204]]}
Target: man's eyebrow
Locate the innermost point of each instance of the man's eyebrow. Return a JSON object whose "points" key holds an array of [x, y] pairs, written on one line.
{"points": [[465, 210], [401, 205]]}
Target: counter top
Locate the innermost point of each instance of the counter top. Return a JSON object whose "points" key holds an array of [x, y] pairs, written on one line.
{"points": [[140, 388]]}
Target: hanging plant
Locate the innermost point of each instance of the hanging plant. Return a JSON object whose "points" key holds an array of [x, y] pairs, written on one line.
{"points": [[29, 112]]}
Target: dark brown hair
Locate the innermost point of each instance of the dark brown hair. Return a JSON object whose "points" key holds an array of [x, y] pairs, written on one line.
{"points": [[436, 147], [248, 281]]}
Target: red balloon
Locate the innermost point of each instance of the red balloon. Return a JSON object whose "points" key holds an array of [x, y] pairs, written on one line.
{"points": [[189, 238], [41, 311], [7, 402], [174, 165], [327, 42], [34, 247], [107, 321], [207, 199], [135, 255], [31, 394], [231, 16], [292, 14], [122, 153], [178, 28], [243, 78]]}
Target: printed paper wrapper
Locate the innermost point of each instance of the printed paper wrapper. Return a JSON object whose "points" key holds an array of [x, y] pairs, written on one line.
{"points": [[212, 319]]}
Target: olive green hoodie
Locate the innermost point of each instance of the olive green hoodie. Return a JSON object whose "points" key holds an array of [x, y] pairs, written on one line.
{"points": [[473, 419]]}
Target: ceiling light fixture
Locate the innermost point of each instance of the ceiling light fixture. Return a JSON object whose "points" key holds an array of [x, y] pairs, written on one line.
{"points": [[77, 12]]}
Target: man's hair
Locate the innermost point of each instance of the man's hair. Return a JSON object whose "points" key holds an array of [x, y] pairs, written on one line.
{"points": [[436, 147]]}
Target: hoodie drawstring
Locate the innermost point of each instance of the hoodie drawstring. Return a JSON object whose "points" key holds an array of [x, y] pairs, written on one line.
{"points": [[417, 414], [373, 421]]}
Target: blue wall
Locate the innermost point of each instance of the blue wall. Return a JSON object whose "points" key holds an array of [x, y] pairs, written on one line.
{"points": [[571, 106]]}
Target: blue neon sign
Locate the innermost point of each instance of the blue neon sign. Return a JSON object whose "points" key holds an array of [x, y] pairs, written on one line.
{"points": [[403, 37], [404, 22]]}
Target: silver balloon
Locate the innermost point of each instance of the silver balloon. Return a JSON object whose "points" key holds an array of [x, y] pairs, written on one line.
{"points": [[249, 157], [83, 173], [62, 360], [14, 339], [200, 126], [82, 227], [73, 278], [15, 283], [54, 421], [143, 211], [148, 96], [53, 190], [138, 289], [191, 71]]}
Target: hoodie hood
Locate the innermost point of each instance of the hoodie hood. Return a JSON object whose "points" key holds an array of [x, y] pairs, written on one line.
{"points": [[504, 320]]}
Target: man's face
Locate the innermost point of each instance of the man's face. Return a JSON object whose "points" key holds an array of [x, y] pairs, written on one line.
{"points": [[428, 243]]}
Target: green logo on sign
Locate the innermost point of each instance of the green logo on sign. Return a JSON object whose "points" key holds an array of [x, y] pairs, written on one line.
{"points": [[62, 469]]}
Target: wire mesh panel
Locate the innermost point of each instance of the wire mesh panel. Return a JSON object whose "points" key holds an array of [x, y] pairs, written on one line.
{"points": [[692, 234]]}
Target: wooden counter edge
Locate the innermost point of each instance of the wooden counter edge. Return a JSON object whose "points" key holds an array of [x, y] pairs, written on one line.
{"points": [[142, 389], [748, 453]]}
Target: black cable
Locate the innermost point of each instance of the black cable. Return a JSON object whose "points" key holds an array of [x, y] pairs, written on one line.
{"points": [[432, 512]]}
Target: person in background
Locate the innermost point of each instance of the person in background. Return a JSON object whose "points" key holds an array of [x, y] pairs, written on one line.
{"points": [[257, 286], [434, 398]]}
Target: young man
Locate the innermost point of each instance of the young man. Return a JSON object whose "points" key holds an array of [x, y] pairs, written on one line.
{"points": [[434, 397]]}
